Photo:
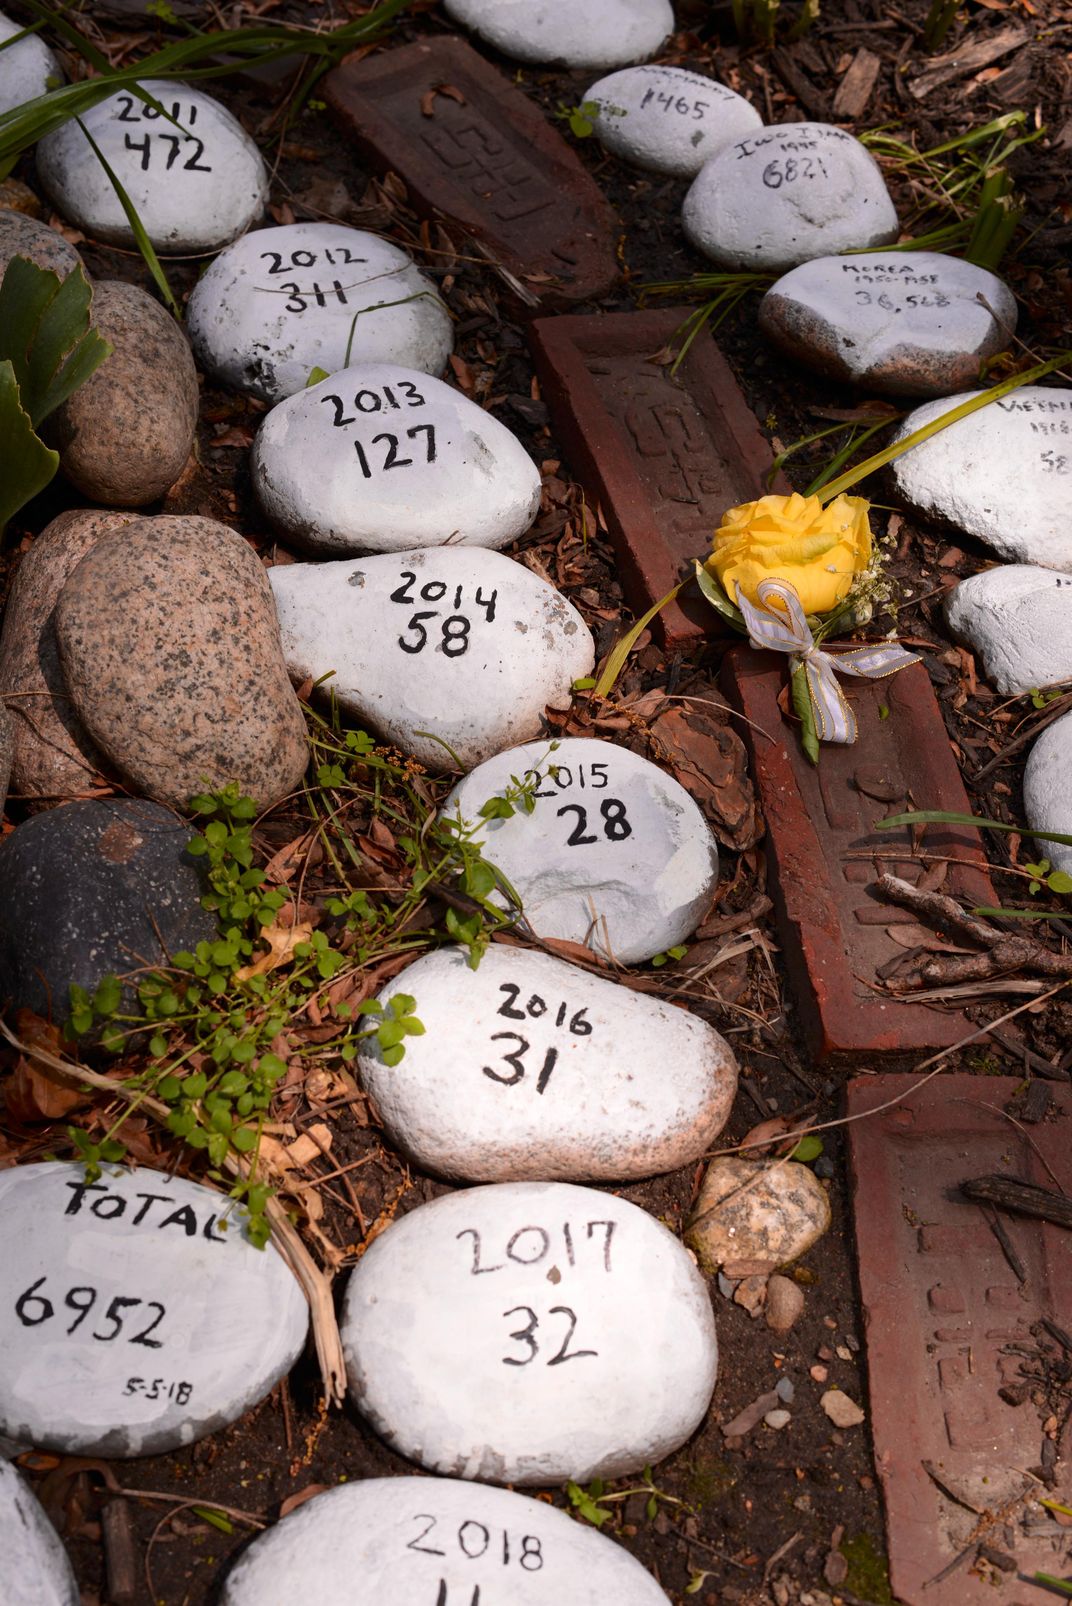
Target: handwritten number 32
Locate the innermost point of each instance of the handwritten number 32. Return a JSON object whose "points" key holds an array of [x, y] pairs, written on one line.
{"points": [[525, 1335]]}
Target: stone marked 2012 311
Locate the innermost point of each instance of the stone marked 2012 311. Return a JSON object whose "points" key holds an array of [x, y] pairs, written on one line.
{"points": [[614, 853], [280, 302], [904, 323], [430, 1542], [134, 1314], [452, 653], [1001, 474], [666, 119], [195, 182], [533, 1069], [779, 197], [507, 1333], [381, 458]]}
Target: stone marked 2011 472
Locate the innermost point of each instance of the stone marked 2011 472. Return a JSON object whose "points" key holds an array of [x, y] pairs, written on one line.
{"points": [[36, 1569], [1002, 474], [665, 119], [615, 853], [135, 1316], [533, 1069], [451, 653], [903, 323], [280, 302], [195, 186], [506, 1333], [431, 1542], [779, 197], [381, 458]]}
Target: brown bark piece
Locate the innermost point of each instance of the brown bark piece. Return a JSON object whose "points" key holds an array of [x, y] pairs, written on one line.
{"points": [[855, 88], [968, 58]]}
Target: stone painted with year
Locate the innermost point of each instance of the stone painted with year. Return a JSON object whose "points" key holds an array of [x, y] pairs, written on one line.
{"points": [[560, 33], [416, 1541], [615, 853], [903, 323], [1048, 790], [131, 1319], [194, 187], [530, 1332], [531, 1068], [25, 68], [381, 458], [280, 302], [667, 120], [1018, 619], [453, 643], [1002, 474], [775, 199], [36, 1569]]}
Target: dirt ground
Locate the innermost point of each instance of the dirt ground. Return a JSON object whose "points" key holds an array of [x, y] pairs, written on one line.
{"points": [[745, 1520]]}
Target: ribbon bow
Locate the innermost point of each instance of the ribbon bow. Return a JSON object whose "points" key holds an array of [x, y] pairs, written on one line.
{"points": [[787, 631]]}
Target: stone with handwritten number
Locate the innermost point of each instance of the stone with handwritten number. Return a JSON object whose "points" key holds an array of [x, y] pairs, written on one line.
{"points": [[666, 119], [381, 458], [132, 1320], [413, 1541], [902, 323], [614, 853], [280, 302], [25, 68], [531, 1068], [1002, 474], [1018, 619], [22, 236], [560, 33], [36, 1569], [780, 197], [194, 177], [530, 1332], [444, 651], [1048, 790]]}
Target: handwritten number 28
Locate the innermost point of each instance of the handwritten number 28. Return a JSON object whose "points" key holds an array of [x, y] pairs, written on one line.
{"points": [[616, 825]]}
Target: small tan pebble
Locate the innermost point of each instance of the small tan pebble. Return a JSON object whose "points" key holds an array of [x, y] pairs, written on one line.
{"points": [[747, 1211], [842, 1411], [819, 1374], [785, 1302], [843, 1352]]}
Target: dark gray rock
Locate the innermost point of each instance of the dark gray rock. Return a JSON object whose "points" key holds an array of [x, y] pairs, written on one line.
{"points": [[93, 889], [5, 755]]}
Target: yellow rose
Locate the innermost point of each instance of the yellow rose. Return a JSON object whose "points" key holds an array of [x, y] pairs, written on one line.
{"points": [[817, 549]]}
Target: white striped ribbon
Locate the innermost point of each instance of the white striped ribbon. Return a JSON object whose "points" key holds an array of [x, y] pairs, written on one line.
{"points": [[787, 631]]}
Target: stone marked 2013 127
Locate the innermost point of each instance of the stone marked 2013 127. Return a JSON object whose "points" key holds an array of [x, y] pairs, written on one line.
{"points": [[506, 1333], [134, 1314], [533, 1069]]}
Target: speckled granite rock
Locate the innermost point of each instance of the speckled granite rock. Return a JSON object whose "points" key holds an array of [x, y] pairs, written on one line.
{"points": [[22, 236], [125, 435], [170, 651], [94, 889], [777, 1219], [53, 755]]}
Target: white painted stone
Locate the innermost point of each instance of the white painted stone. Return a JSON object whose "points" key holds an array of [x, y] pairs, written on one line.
{"points": [[905, 323], [25, 68], [36, 1571], [790, 193], [561, 33], [280, 302], [458, 642], [666, 119], [1002, 474], [412, 1540], [382, 458], [1018, 619], [1048, 789], [531, 1068], [195, 187], [130, 1323], [615, 853], [530, 1332]]}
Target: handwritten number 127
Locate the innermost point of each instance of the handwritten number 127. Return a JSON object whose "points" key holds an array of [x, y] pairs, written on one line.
{"points": [[392, 459]]}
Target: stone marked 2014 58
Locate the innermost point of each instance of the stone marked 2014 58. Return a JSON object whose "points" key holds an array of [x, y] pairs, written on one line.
{"points": [[505, 1333], [134, 1315]]}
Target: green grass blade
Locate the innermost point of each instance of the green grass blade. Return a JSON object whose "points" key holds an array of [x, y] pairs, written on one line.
{"points": [[145, 245], [1021, 914], [29, 464], [949, 817], [622, 648]]}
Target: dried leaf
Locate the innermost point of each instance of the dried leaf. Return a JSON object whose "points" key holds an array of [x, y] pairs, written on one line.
{"points": [[293, 1501], [281, 941]]}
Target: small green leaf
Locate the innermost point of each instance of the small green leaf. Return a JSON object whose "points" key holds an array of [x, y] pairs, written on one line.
{"points": [[315, 376], [585, 683], [29, 464], [809, 1148], [1059, 881], [216, 1518]]}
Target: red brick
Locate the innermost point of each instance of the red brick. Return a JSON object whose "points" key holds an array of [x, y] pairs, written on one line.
{"points": [[663, 455], [488, 163], [934, 1392], [834, 931]]}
